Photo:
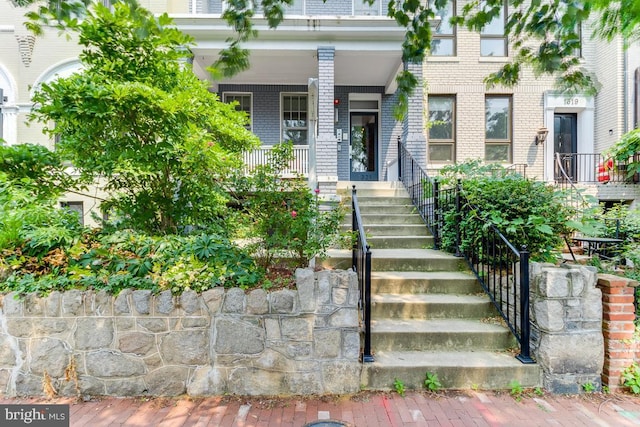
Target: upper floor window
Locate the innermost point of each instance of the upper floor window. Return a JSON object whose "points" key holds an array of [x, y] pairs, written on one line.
{"points": [[443, 42], [295, 122], [442, 128], [498, 116], [77, 207], [243, 103], [493, 41]]}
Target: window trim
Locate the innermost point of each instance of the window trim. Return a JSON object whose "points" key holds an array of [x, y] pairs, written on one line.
{"points": [[440, 142], [250, 94], [282, 126], [497, 142]]}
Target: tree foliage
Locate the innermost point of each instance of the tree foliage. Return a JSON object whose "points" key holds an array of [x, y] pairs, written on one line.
{"points": [[138, 119], [543, 33]]}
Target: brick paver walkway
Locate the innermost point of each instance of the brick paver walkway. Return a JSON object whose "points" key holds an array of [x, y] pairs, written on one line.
{"points": [[470, 408]]}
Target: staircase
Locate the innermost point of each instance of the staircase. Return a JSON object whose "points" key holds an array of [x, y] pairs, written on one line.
{"points": [[429, 313]]}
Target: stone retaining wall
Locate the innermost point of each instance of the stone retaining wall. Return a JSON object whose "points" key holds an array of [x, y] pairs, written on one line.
{"points": [[566, 326], [302, 341]]}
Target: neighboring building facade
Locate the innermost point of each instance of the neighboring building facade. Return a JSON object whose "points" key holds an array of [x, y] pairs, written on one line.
{"points": [[331, 67]]}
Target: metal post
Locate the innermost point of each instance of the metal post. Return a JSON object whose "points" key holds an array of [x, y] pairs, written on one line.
{"points": [[525, 326], [400, 157], [436, 214], [458, 217], [354, 230], [367, 357]]}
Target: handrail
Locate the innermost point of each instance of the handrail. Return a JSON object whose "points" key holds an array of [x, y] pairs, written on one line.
{"points": [[361, 262], [502, 270]]}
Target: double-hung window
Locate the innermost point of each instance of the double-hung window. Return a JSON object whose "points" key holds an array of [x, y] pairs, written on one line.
{"points": [[443, 41], [498, 116], [493, 41], [442, 130], [295, 123], [243, 103]]}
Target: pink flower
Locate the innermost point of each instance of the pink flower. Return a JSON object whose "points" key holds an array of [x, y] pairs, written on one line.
{"points": [[317, 191], [294, 214]]}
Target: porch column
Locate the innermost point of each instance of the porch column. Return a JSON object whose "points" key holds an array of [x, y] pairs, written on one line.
{"points": [[326, 143], [413, 130]]}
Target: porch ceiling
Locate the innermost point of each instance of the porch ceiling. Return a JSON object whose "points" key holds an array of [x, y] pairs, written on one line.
{"points": [[367, 51]]}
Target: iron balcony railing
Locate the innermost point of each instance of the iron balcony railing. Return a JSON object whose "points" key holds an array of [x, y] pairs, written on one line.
{"points": [[361, 262], [589, 168], [501, 269]]}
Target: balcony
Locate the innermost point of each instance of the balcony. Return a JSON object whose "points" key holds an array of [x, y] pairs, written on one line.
{"points": [[588, 168]]}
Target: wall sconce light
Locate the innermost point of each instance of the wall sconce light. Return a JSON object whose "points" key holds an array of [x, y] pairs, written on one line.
{"points": [[541, 135]]}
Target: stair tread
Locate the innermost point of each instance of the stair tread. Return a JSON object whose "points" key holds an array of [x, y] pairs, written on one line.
{"points": [[430, 298], [461, 359], [397, 254], [434, 326], [417, 275]]}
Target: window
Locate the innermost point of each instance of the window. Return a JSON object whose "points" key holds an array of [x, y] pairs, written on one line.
{"points": [[442, 128], [77, 207], [294, 118], [497, 128], [492, 39], [243, 104], [443, 42]]}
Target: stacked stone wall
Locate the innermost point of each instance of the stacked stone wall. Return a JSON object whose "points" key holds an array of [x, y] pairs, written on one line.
{"points": [[302, 341]]}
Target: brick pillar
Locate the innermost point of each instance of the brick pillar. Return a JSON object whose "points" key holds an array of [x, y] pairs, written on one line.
{"points": [[326, 143], [618, 315], [413, 131]]}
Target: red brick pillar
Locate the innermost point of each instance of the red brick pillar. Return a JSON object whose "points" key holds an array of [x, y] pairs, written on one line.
{"points": [[618, 315]]}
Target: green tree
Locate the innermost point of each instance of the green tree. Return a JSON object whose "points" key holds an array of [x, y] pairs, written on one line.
{"points": [[140, 121]]}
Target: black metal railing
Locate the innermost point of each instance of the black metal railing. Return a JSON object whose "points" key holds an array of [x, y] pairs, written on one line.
{"points": [[501, 269], [589, 168], [361, 262]]}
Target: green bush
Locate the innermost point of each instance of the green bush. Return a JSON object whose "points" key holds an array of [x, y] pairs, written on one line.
{"points": [[528, 213]]}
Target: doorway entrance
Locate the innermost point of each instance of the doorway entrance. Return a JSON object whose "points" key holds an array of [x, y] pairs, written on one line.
{"points": [[565, 146], [363, 140]]}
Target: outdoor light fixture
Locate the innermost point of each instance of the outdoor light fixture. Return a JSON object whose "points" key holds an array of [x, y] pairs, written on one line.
{"points": [[541, 135]]}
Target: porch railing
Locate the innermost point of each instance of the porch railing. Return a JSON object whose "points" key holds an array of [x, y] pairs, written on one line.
{"points": [[302, 7], [298, 166], [501, 269], [591, 168], [361, 262]]}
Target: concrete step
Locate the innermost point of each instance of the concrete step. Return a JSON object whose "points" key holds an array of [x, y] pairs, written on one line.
{"points": [[373, 219], [412, 282], [431, 306], [379, 200], [383, 209], [485, 370], [398, 242], [380, 230], [398, 260], [439, 334]]}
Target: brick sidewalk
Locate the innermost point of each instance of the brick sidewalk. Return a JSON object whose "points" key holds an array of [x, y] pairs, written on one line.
{"points": [[469, 408]]}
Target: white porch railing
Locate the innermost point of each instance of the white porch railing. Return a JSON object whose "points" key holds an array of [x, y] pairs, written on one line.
{"points": [[298, 166], [301, 7]]}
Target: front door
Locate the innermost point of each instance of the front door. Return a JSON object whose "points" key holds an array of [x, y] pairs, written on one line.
{"points": [[565, 146], [364, 146]]}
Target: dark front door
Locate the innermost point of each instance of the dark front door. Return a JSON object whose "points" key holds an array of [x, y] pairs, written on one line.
{"points": [[565, 146], [364, 146]]}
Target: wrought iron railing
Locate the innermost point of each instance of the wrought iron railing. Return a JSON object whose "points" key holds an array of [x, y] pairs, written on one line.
{"points": [[589, 168], [361, 261], [501, 269]]}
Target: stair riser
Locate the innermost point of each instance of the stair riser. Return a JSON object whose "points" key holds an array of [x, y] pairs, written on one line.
{"points": [[422, 264], [388, 209], [399, 311], [394, 219], [441, 341], [395, 230], [458, 377], [408, 242], [386, 286], [388, 201]]}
